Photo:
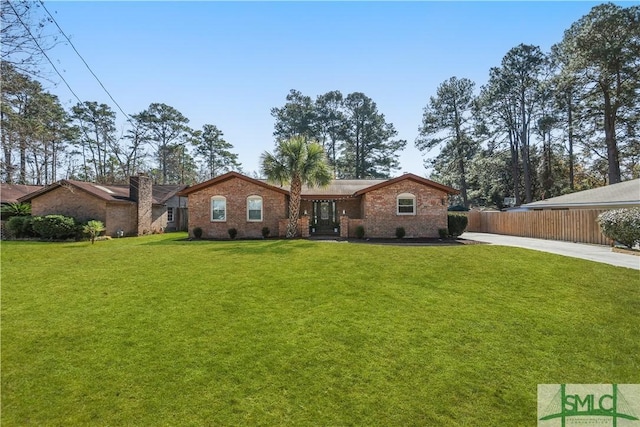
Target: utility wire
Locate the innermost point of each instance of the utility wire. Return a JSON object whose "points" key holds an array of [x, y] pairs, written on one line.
{"points": [[35, 40], [83, 60]]}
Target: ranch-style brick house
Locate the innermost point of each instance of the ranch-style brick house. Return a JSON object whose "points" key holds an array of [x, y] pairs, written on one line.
{"points": [[237, 201], [133, 210]]}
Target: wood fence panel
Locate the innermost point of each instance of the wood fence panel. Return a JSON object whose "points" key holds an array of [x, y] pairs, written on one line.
{"points": [[578, 225]]}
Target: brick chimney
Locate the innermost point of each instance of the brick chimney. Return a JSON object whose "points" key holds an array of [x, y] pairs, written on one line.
{"points": [[140, 191]]}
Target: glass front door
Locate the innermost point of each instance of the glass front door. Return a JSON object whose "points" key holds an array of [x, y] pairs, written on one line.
{"points": [[324, 215]]}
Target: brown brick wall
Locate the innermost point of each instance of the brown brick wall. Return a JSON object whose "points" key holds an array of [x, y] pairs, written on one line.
{"points": [[70, 201], [236, 192], [380, 217], [121, 216], [73, 202]]}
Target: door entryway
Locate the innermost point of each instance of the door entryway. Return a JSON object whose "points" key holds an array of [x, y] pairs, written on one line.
{"points": [[324, 216]]}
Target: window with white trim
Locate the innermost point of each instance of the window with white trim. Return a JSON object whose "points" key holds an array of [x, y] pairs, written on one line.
{"points": [[254, 208], [406, 204], [218, 209], [169, 214]]}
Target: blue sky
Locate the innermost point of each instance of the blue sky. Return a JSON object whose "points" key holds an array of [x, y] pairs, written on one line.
{"points": [[229, 63]]}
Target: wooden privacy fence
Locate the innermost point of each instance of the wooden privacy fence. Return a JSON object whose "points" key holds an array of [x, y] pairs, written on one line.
{"points": [[578, 225]]}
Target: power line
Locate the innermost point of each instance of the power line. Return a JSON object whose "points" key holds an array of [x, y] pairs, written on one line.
{"points": [[35, 40], [83, 60]]}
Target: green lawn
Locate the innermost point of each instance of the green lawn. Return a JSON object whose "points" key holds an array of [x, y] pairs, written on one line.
{"points": [[161, 331]]}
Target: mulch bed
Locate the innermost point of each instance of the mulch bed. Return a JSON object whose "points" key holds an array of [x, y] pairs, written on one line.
{"points": [[418, 242]]}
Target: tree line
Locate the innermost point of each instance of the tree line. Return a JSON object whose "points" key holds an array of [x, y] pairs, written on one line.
{"points": [[42, 142], [545, 123]]}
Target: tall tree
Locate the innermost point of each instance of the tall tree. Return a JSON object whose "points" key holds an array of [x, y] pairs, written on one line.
{"points": [[368, 150], [602, 51], [215, 151], [330, 124], [167, 127], [511, 99], [296, 117], [96, 138], [448, 121], [297, 162]]}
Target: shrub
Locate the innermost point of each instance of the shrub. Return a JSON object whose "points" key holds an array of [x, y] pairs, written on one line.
{"points": [[93, 228], [400, 232], [457, 224], [21, 226], [265, 232], [232, 233], [197, 232], [15, 209], [443, 233], [57, 227], [458, 208], [360, 232], [621, 225]]}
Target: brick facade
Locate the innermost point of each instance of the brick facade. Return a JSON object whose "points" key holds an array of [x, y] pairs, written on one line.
{"points": [[381, 218], [373, 207], [128, 210], [236, 191]]}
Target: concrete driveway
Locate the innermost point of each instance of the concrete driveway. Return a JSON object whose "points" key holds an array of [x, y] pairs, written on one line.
{"points": [[597, 253]]}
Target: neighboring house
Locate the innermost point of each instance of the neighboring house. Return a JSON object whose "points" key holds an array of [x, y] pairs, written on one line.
{"points": [[10, 193], [140, 208], [236, 201], [621, 195]]}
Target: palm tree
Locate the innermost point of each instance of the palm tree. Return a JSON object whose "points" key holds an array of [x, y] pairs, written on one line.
{"points": [[296, 161]]}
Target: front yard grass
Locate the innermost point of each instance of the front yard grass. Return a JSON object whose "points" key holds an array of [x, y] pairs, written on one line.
{"points": [[162, 331]]}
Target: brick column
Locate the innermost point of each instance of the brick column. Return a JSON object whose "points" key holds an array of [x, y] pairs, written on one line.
{"points": [[344, 226], [141, 192]]}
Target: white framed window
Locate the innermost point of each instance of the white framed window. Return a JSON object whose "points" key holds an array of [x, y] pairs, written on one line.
{"points": [[406, 204], [218, 209], [254, 208], [170, 214]]}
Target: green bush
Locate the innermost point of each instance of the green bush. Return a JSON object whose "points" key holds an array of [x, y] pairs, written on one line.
{"points": [[443, 233], [400, 232], [20, 226], [232, 233], [457, 223], [58, 227], [197, 232], [360, 232], [265, 232], [621, 225]]}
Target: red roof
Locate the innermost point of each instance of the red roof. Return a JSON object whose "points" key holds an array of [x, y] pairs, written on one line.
{"points": [[337, 188], [228, 176], [109, 193], [412, 177]]}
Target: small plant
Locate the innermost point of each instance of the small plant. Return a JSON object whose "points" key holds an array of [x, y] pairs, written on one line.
{"points": [[443, 233], [400, 232], [232, 233], [457, 224], [360, 232], [621, 225], [93, 228], [197, 232], [265, 232], [58, 227]]}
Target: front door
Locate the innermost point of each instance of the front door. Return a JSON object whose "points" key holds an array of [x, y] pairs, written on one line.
{"points": [[324, 215]]}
